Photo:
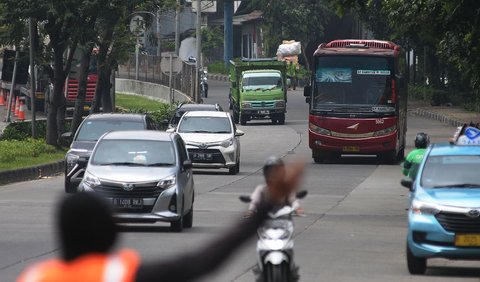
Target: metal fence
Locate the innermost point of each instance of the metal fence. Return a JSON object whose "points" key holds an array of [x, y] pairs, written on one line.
{"points": [[149, 70]]}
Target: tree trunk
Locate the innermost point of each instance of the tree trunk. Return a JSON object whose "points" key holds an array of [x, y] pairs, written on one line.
{"points": [[104, 71], [106, 86], [56, 100], [82, 87]]}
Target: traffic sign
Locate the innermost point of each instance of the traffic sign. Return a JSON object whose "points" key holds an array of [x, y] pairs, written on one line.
{"points": [[137, 25]]}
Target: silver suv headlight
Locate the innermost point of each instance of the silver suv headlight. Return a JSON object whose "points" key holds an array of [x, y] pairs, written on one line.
{"points": [[167, 182], [227, 143], [72, 159], [90, 180]]}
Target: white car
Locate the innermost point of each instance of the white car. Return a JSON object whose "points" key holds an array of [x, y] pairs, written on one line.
{"points": [[212, 139]]}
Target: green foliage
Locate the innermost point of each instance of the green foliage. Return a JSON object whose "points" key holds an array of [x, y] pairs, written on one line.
{"points": [[217, 67], [29, 148], [212, 38], [23, 130]]}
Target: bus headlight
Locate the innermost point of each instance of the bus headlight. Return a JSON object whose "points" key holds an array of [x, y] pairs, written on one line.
{"points": [[318, 129], [385, 131]]}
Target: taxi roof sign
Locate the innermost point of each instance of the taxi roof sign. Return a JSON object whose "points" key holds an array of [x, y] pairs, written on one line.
{"points": [[467, 135]]}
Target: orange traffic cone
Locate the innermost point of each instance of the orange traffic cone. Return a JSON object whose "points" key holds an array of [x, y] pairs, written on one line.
{"points": [[17, 106], [12, 109], [2, 100], [21, 110]]}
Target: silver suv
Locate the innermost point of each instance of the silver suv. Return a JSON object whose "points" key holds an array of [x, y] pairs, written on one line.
{"points": [[146, 175]]}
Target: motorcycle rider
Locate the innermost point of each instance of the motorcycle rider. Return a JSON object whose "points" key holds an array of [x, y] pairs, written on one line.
{"points": [[273, 166], [415, 157]]}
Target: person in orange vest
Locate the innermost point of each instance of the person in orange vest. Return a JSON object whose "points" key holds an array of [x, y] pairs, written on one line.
{"points": [[88, 233]]}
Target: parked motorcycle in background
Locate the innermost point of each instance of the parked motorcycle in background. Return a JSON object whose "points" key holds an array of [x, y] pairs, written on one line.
{"points": [[275, 246]]}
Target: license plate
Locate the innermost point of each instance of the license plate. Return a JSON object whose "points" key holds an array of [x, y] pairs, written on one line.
{"points": [[264, 112], [351, 149], [202, 157], [127, 203], [467, 240]]}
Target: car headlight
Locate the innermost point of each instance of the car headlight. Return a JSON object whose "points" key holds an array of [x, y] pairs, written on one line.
{"points": [[167, 182], [227, 143], [246, 105], [72, 159], [280, 104], [385, 131], [90, 180], [419, 207], [318, 129]]}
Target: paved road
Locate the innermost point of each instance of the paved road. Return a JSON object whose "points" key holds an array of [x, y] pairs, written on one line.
{"points": [[354, 229]]}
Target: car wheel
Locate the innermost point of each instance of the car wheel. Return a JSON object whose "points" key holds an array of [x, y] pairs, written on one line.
{"points": [[416, 265], [177, 225], [188, 220], [232, 170], [70, 187]]}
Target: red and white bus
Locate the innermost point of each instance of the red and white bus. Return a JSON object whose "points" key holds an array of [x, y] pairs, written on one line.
{"points": [[358, 100]]}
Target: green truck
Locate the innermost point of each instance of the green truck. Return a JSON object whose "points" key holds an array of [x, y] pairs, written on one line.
{"points": [[258, 90]]}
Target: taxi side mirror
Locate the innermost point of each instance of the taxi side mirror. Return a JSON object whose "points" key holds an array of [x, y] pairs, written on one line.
{"points": [[307, 90], [407, 183]]}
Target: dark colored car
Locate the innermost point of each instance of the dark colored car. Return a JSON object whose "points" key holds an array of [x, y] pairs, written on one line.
{"points": [[89, 131], [183, 108]]}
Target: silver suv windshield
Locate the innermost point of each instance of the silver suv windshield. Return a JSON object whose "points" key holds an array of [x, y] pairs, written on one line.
{"points": [[92, 130], [451, 172], [134, 153], [199, 124]]}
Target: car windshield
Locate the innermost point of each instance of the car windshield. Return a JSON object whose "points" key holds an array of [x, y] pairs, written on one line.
{"points": [[352, 81], [205, 125], [261, 81], [134, 153], [92, 130], [451, 172]]}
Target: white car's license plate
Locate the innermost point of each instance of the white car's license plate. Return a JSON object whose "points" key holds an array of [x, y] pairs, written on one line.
{"points": [[202, 157], [127, 203]]}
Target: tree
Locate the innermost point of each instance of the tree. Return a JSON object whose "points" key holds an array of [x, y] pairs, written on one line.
{"points": [[304, 21]]}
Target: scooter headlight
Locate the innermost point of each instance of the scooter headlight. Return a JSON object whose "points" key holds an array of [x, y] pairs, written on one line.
{"points": [[276, 230]]}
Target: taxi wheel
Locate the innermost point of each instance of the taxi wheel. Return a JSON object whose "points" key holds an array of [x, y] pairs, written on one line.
{"points": [[416, 265]]}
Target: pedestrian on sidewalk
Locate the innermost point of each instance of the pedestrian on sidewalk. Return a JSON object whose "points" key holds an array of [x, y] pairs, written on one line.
{"points": [[88, 233]]}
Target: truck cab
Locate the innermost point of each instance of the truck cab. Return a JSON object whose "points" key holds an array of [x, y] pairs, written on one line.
{"points": [[258, 90]]}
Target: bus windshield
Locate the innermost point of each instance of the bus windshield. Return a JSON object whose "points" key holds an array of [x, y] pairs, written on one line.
{"points": [[353, 81]]}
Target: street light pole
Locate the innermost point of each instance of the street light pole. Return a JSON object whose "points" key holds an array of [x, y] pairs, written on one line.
{"points": [[33, 86]]}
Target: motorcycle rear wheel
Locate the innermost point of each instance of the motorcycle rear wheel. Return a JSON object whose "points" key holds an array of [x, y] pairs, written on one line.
{"points": [[277, 273]]}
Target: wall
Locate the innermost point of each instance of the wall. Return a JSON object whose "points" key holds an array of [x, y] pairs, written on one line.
{"points": [[152, 90]]}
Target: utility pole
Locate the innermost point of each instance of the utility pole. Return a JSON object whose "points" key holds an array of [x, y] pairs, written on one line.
{"points": [[33, 86], [177, 27], [199, 50], [12, 87], [159, 39], [228, 32]]}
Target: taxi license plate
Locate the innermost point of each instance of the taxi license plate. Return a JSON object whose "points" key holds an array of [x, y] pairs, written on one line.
{"points": [[351, 149], [202, 157], [467, 240], [127, 203]]}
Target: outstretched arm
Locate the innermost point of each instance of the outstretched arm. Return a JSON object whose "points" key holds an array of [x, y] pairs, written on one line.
{"points": [[196, 264]]}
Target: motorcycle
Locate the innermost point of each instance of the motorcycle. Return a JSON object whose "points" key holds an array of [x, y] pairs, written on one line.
{"points": [[203, 83], [275, 245]]}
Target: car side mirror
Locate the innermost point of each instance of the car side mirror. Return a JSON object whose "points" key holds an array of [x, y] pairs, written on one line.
{"points": [[407, 183], [239, 133], [170, 130], [187, 164], [66, 136], [307, 91], [82, 161]]}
